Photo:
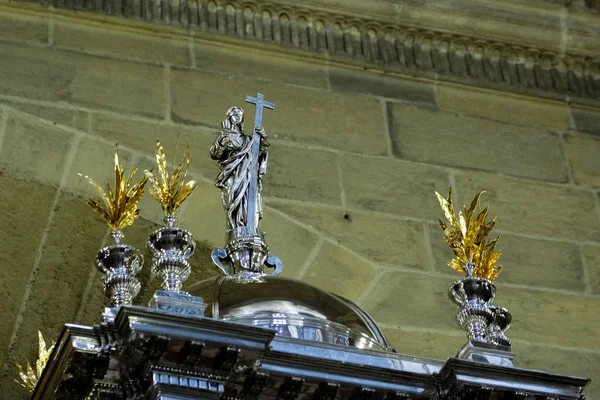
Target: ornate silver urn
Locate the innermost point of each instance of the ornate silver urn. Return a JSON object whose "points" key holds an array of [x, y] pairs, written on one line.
{"points": [[119, 264], [171, 248], [476, 257], [474, 297]]}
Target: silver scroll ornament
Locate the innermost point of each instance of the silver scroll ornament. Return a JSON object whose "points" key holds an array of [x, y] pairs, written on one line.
{"points": [[497, 329], [243, 162]]}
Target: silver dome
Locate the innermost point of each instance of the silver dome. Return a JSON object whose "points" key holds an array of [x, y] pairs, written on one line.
{"points": [[292, 308]]}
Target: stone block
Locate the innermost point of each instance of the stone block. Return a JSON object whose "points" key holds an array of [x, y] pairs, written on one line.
{"points": [[9, 389], [302, 174], [533, 208], [338, 271], [439, 137], [412, 300], [584, 155], [592, 262], [137, 235], [382, 240], [34, 150], [23, 27], [393, 186], [96, 160], [3, 120], [141, 135], [582, 34], [72, 118], [341, 121], [438, 346], [202, 265], [579, 362], [287, 240], [114, 42], [548, 317], [204, 217], [96, 82], [524, 261], [67, 259], [238, 61], [381, 85], [27, 208], [95, 302], [586, 119], [503, 107]]}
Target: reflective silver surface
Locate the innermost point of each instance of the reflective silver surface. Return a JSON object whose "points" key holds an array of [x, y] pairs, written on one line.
{"points": [[149, 354], [474, 297], [119, 264], [293, 309], [171, 247], [486, 324], [243, 162], [246, 294], [488, 353], [498, 327]]}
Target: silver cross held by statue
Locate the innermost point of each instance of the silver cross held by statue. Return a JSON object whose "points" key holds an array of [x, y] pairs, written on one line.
{"points": [[253, 199]]}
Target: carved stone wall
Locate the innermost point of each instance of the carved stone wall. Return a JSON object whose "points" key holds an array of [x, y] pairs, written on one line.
{"points": [[367, 125], [389, 39]]}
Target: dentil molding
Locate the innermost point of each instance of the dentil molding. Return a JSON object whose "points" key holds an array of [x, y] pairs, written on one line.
{"points": [[549, 47]]}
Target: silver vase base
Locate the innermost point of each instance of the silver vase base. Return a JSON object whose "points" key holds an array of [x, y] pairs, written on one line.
{"points": [[109, 314], [487, 353], [181, 303]]}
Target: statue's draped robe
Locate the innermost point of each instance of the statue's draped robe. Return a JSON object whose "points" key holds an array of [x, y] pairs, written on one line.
{"points": [[234, 152]]}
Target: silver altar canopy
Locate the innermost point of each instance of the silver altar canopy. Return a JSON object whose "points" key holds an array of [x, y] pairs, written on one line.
{"points": [[250, 334]]}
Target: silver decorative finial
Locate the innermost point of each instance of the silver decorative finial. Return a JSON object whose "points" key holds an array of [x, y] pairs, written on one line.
{"points": [[170, 246], [243, 162]]}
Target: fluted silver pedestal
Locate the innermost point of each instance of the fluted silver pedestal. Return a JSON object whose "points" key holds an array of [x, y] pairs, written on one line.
{"points": [[171, 247]]}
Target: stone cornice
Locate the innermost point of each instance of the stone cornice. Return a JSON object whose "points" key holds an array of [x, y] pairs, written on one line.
{"points": [[547, 47]]}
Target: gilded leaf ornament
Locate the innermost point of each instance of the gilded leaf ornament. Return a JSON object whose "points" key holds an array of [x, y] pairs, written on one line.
{"points": [[120, 204], [170, 190], [467, 236], [29, 376]]}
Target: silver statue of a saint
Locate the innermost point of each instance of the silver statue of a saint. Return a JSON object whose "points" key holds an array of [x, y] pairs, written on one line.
{"points": [[243, 162], [233, 150]]}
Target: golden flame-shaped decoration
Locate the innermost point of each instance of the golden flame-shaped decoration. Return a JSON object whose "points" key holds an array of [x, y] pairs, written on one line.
{"points": [[170, 190], [121, 204], [29, 376], [467, 237]]}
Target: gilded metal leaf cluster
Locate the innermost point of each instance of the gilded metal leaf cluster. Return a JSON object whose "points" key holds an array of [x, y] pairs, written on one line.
{"points": [[467, 237], [29, 376], [170, 190], [120, 207]]}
